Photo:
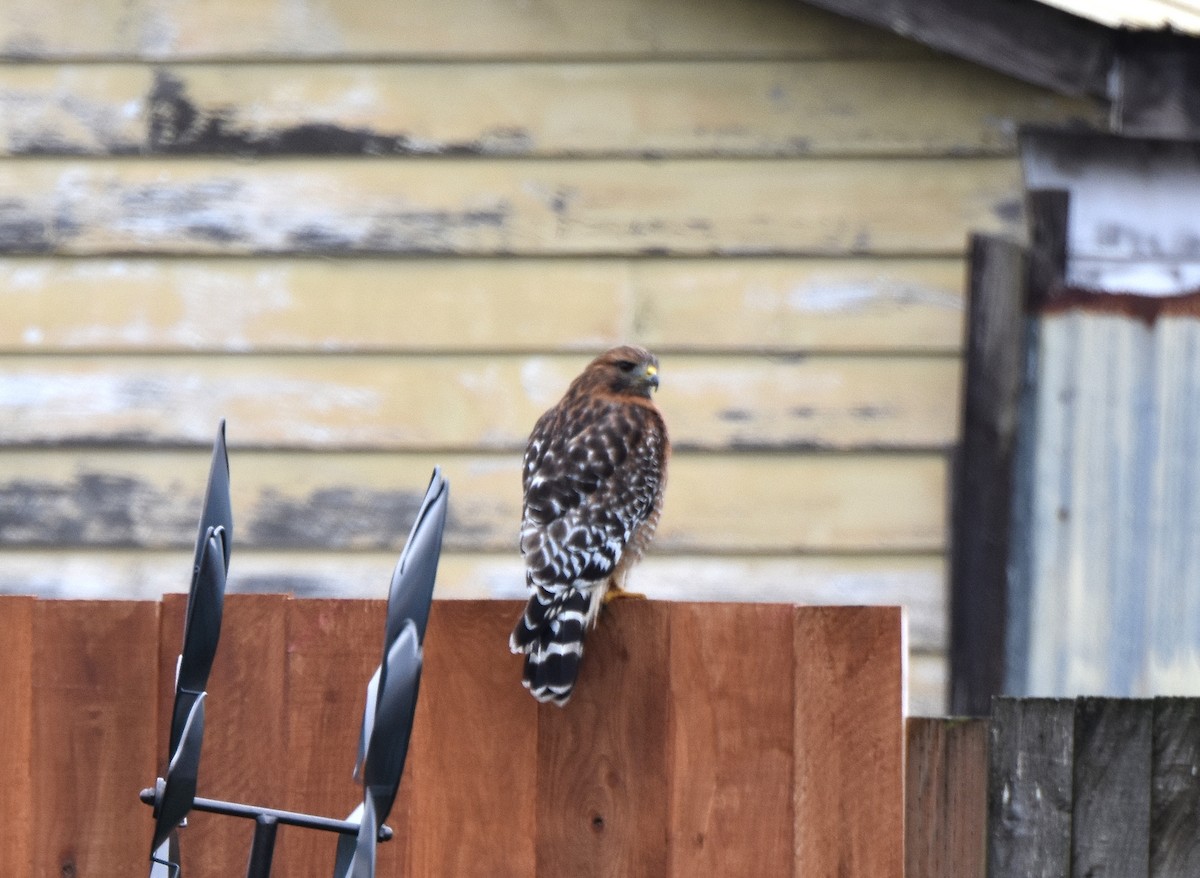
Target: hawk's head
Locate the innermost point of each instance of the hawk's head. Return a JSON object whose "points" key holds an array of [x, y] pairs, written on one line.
{"points": [[627, 370]]}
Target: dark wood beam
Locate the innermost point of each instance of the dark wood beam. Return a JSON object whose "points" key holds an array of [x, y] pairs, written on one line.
{"points": [[1157, 90], [1022, 38], [981, 498]]}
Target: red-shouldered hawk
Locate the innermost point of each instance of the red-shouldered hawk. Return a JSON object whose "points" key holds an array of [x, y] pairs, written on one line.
{"points": [[594, 473]]}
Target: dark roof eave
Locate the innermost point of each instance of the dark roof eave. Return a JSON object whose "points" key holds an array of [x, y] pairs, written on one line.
{"points": [[1021, 38]]}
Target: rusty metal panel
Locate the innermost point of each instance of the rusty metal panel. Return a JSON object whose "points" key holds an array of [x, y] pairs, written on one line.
{"points": [[1113, 501]]}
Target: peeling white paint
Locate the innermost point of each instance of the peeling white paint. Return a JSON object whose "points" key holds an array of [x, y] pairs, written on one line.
{"points": [[833, 296]]}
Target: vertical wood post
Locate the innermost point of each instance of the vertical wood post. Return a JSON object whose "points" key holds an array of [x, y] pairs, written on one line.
{"points": [[983, 478], [333, 647]]}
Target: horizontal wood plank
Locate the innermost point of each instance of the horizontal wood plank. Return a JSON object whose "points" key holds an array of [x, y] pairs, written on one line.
{"points": [[573, 109], [226, 29], [868, 305], [518, 207], [915, 582], [102, 305], [489, 402], [714, 503]]}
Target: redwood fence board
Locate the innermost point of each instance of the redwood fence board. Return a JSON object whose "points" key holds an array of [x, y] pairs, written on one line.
{"points": [[849, 763], [473, 765], [16, 734], [602, 760], [333, 647], [245, 756], [731, 733], [94, 736]]}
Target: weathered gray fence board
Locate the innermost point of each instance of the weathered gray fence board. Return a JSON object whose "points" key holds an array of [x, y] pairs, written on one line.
{"points": [[1175, 789], [1029, 788], [1111, 809]]}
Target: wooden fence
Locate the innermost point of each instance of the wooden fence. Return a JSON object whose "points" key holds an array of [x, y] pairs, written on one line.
{"points": [[703, 740]]}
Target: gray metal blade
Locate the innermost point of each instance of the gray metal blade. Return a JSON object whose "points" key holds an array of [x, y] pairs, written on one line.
{"points": [[180, 789], [387, 746], [362, 865], [201, 633], [412, 581], [217, 511]]}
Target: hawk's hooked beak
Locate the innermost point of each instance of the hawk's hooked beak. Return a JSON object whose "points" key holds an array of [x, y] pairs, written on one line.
{"points": [[652, 376]]}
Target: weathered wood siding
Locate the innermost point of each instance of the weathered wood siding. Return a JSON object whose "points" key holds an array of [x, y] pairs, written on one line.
{"points": [[378, 237]]}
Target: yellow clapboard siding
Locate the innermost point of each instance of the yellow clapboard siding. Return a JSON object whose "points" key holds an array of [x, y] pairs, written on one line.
{"points": [[925, 106], [763, 503], [914, 582], [788, 305], [477, 206], [426, 305], [158, 29], [798, 305], [926, 682], [463, 402]]}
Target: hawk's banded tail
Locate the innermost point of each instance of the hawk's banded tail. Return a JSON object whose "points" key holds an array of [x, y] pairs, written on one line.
{"points": [[550, 632]]}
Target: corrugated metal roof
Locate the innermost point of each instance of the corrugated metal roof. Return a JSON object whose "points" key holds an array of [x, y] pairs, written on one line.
{"points": [[1112, 546], [1180, 15]]}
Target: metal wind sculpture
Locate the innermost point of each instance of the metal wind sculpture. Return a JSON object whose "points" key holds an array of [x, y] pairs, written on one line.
{"points": [[387, 718]]}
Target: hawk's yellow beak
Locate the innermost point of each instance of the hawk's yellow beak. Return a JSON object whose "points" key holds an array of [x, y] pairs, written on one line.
{"points": [[652, 376]]}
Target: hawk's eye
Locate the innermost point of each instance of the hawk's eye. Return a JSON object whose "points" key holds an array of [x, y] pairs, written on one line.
{"points": [[626, 365]]}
